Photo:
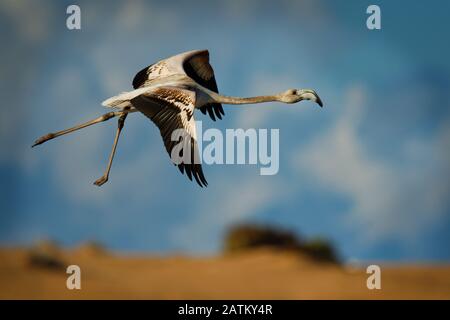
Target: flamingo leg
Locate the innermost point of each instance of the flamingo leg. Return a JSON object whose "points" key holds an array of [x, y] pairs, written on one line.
{"points": [[103, 179], [53, 135]]}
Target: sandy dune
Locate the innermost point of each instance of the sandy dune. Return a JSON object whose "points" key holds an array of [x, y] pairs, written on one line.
{"points": [[264, 273]]}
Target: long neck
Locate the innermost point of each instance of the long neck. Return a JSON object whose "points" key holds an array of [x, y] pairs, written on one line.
{"points": [[238, 100]]}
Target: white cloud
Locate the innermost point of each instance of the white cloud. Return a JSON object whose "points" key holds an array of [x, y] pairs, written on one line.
{"points": [[28, 26], [230, 201], [387, 198], [313, 11], [131, 16], [30, 17], [114, 54], [79, 158]]}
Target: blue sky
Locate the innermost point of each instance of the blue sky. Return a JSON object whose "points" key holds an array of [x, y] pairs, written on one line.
{"points": [[370, 171]]}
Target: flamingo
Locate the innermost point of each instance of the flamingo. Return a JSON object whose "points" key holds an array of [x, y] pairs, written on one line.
{"points": [[168, 92]]}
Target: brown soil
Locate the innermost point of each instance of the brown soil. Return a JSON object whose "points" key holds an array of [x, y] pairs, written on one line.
{"points": [[261, 274]]}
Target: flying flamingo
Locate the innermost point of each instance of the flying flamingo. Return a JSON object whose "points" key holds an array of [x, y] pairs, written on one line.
{"points": [[168, 92]]}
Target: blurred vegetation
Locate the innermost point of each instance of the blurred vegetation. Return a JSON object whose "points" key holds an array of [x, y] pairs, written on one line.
{"points": [[46, 254], [251, 236]]}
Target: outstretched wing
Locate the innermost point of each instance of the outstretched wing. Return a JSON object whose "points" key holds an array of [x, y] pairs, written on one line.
{"points": [[153, 71], [197, 67], [172, 108], [195, 64]]}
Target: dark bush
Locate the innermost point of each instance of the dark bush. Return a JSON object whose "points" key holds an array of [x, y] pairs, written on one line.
{"points": [[251, 236], [320, 249], [46, 254], [45, 261]]}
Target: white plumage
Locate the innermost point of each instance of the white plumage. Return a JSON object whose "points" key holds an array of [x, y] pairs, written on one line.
{"points": [[168, 92]]}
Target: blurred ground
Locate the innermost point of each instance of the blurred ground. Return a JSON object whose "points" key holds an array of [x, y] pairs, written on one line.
{"points": [[258, 274]]}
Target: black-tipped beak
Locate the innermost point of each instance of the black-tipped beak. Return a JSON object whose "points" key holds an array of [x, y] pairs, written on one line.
{"points": [[319, 101], [309, 94]]}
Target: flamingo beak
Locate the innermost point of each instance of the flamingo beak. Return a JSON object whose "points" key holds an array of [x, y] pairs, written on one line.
{"points": [[311, 95], [319, 101]]}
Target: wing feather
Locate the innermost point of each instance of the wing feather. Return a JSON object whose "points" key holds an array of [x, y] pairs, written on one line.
{"points": [[172, 108], [195, 64], [198, 68]]}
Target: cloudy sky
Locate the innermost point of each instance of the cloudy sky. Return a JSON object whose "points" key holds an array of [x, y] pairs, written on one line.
{"points": [[370, 171]]}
